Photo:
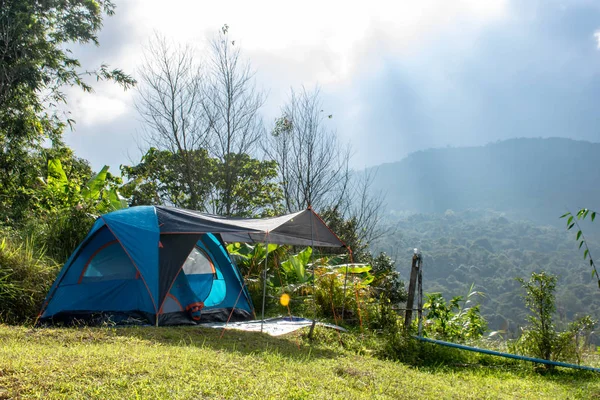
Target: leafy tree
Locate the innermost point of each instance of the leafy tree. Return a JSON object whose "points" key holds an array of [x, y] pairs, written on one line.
{"points": [[253, 190], [187, 108], [347, 230], [35, 66], [158, 179]]}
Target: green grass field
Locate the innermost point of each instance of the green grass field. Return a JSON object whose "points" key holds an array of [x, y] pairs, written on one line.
{"points": [[194, 363]]}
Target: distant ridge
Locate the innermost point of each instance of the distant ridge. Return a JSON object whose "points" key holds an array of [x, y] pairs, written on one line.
{"points": [[536, 179]]}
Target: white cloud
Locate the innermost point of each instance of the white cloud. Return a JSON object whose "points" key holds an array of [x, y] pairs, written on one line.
{"points": [[333, 36], [89, 109], [330, 43], [597, 37]]}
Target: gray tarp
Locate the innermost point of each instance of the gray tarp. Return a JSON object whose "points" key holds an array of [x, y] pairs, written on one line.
{"points": [[304, 228]]}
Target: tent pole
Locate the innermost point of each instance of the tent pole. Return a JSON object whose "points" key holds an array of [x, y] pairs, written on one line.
{"points": [[262, 320], [345, 282], [312, 260]]}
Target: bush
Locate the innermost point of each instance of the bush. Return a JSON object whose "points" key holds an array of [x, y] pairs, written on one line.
{"points": [[382, 317], [59, 231], [458, 321], [540, 338], [334, 302], [387, 283], [26, 275]]}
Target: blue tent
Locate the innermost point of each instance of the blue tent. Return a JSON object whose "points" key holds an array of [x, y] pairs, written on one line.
{"points": [[167, 266]]}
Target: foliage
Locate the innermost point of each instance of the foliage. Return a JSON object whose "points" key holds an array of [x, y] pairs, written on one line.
{"points": [[35, 67], [59, 231], [343, 292], [36, 64], [246, 187], [540, 339], [158, 179], [459, 320], [387, 283], [26, 274], [47, 194], [98, 193], [250, 260], [487, 248], [347, 230], [574, 341], [294, 269], [25, 189], [580, 237]]}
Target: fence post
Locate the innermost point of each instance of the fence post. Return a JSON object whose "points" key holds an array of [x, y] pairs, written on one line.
{"points": [[411, 290]]}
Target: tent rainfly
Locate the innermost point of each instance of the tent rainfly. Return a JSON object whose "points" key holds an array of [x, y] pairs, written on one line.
{"points": [[166, 266]]}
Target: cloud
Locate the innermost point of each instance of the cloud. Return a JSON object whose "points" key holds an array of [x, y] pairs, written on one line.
{"points": [[93, 108], [397, 76]]}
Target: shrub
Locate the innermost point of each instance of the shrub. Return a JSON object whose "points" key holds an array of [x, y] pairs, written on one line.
{"points": [[59, 231], [382, 316], [540, 338], [459, 320], [26, 275], [387, 283]]}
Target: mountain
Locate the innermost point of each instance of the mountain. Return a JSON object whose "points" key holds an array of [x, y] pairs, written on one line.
{"points": [[534, 179]]}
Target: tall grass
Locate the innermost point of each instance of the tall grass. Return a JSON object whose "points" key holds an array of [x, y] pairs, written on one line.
{"points": [[26, 274]]}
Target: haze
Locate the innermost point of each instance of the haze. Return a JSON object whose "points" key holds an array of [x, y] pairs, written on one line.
{"points": [[396, 77]]}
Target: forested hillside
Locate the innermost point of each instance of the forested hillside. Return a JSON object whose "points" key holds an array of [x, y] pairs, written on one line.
{"points": [[489, 250], [533, 179]]}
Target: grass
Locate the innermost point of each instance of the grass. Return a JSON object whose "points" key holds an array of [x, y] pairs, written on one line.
{"points": [[193, 363]]}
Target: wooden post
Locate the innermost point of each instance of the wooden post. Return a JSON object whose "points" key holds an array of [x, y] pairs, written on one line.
{"points": [[414, 271], [420, 294]]}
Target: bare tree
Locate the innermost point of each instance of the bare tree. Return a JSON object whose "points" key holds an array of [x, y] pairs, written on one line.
{"points": [[172, 106], [365, 207], [313, 165], [233, 105]]}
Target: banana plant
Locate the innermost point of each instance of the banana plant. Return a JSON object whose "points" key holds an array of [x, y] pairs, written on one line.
{"points": [[97, 191], [250, 257]]}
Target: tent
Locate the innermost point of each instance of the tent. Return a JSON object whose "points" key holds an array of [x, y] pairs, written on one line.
{"points": [[168, 266]]}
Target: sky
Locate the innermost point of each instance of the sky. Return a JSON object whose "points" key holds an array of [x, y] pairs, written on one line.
{"points": [[397, 76]]}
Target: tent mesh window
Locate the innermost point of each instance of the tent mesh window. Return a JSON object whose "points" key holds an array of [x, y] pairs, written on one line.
{"points": [[109, 263], [198, 263]]}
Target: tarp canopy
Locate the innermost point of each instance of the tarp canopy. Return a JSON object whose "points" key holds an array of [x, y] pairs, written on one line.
{"points": [[304, 228]]}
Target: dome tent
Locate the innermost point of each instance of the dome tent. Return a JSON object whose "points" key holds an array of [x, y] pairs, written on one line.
{"points": [[161, 264]]}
